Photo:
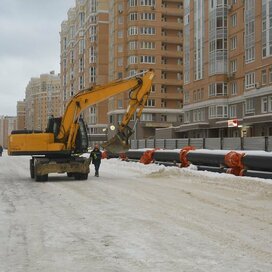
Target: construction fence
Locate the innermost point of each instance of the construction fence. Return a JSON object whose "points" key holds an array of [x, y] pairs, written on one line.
{"points": [[237, 143]]}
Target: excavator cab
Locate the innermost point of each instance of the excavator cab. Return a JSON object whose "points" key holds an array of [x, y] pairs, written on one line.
{"points": [[81, 142], [53, 126]]}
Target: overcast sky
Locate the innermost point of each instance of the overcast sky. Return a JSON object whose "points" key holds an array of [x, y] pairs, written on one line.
{"points": [[29, 45]]}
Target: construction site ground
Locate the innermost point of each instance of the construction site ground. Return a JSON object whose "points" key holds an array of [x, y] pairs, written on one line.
{"points": [[133, 218]]}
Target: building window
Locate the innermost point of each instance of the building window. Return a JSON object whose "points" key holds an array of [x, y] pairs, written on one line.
{"points": [[133, 16], [72, 56], [150, 3], [120, 48], [81, 65], [133, 3], [120, 20], [93, 5], [120, 62], [133, 30], [220, 111], [233, 66], [187, 118], [266, 28], [81, 82], [249, 31], [92, 32], [132, 59], [186, 97], [147, 59], [218, 89], [92, 54], [120, 104], [120, 34], [146, 117], [233, 88], [249, 106], [198, 115], [233, 19], [199, 39], [147, 45], [132, 72], [270, 75], [233, 43], [147, 31], [81, 19], [250, 80], [232, 111], [92, 75], [132, 45], [81, 46], [150, 103], [264, 105], [163, 118], [264, 76], [148, 16], [163, 103], [269, 103]]}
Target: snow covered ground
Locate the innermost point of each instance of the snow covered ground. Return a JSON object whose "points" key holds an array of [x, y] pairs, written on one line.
{"points": [[134, 217]]}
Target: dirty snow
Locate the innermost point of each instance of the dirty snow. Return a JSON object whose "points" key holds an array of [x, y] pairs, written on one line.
{"points": [[134, 217]]}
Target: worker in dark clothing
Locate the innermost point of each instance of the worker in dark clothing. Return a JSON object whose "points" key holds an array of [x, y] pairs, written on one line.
{"points": [[1, 150], [96, 156]]}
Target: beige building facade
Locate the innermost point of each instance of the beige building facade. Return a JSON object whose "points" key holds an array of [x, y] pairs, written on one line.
{"points": [[7, 124], [147, 34], [42, 100], [227, 68], [21, 114], [84, 56]]}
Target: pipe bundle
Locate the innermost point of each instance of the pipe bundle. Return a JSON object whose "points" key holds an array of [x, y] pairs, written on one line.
{"points": [[239, 163]]}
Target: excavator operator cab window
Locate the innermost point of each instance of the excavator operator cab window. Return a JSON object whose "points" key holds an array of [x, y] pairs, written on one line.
{"points": [[53, 126]]}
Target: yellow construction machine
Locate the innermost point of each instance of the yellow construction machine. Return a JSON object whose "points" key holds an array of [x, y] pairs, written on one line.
{"points": [[58, 149]]}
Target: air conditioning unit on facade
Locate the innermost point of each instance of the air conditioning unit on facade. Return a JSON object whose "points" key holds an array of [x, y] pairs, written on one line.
{"points": [[257, 85]]}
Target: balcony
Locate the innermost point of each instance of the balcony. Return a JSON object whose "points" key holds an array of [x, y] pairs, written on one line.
{"points": [[172, 11], [171, 96], [171, 39], [170, 81], [171, 67], [172, 25], [172, 54]]}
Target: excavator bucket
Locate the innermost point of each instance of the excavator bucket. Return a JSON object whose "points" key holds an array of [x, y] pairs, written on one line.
{"points": [[117, 144]]}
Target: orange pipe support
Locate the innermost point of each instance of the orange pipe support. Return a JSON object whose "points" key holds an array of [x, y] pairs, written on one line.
{"points": [[183, 155], [234, 161], [147, 157]]}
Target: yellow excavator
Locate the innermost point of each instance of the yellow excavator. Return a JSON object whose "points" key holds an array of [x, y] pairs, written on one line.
{"points": [[58, 149]]}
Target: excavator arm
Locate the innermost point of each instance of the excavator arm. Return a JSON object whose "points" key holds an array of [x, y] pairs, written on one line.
{"points": [[137, 100]]}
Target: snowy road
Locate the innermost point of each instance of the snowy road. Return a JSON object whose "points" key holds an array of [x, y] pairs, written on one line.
{"points": [[133, 218]]}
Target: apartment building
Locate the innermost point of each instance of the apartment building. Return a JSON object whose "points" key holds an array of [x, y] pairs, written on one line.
{"points": [[227, 68], [7, 124], [84, 56], [21, 114], [42, 100], [147, 34]]}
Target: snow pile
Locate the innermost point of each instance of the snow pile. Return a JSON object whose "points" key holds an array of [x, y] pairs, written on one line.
{"points": [[161, 171]]}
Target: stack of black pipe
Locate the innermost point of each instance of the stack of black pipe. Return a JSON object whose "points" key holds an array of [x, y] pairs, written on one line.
{"points": [[258, 164], [167, 157]]}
